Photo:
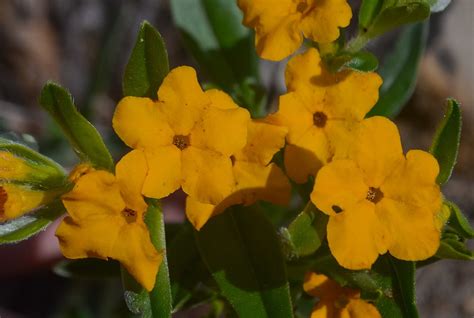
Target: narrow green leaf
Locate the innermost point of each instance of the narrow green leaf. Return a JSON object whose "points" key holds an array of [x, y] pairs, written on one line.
{"points": [[88, 268], [362, 61], [458, 222], [399, 71], [368, 11], [82, 135], [395, 13], [445, 145], [404, 283], [160, 296], [44, 174], [148, 64], [241, 250], [438, 5], [30, 224], [307, 231]]}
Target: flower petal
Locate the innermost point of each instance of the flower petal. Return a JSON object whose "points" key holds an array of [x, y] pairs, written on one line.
{"points": [[302, 68], [207, 175], [377, 149], [135, 251], [96, 194], [341, 134], [198, 213], [412, 230], [220, 99], [183, 100], [263, 141], [221, 129], [130, 172], [294, 115], [322, 23], [305, 157], [164, 172], [140, 123], [89, 237], [276, 27], [338, 186], [257, 182], [358, 308], [414, 181], [355, 236]]}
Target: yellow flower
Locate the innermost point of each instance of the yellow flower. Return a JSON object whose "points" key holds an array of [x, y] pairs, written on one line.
{"points": [[378, 200], [17, 200], [255, 177], [106, 219], [280, 25], [336, 301], [186, 137], [322, 111]]}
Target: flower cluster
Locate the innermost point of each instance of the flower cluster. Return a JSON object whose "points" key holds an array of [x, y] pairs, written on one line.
{"points": [[199, 141]]}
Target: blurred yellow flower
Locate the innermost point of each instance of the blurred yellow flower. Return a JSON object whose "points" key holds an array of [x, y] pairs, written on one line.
{"points": [[280, 26], [322, 112], [378, 200], [106, 219], [255, 177], [17, 200], [186, 137], [335, 301], [12, 167]]}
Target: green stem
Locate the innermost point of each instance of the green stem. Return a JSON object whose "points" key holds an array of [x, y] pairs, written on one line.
{"points": [[357, 43]]}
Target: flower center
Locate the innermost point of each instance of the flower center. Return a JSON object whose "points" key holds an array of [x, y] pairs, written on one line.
{"points": [[232, 159], [374, 195], [180, 141], [301, 7], [129, 215], [320, 119], [3, 200]]}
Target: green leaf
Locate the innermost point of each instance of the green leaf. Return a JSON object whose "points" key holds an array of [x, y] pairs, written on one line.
{"points": [[403, 281], [212, 31], [30, 224], [160, 296], [362, 61], [458, 222], [82, 135], [307, 231], [88, 268], [445, 145], [438, 5], [148, 64], [399, 71], [45, 173], [454, 249], [241, 250], [392, 14], [368, 11]]}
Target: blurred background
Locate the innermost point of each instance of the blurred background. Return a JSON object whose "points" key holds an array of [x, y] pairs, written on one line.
{"points": [[84, 45]]}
